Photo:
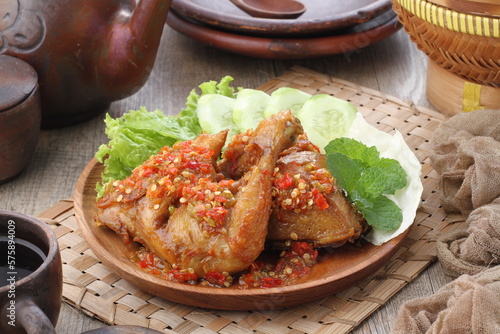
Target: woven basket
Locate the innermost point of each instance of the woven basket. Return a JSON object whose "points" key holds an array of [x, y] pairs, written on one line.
{"points": [[464, 43], [450, 94]]}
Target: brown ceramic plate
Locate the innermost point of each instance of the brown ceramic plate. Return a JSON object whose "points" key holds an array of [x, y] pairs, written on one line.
{"points": [[336, 269], [289, 48], [320, 16]]}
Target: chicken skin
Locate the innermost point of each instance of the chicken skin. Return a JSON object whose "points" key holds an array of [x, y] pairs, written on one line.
{"points": [[308, 204], [138, 207], [222, 226]]}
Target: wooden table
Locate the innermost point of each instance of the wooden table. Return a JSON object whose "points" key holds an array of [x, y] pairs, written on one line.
{"points": [[393, 66]]}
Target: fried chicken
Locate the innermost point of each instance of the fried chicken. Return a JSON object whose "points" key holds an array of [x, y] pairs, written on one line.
{"points": [[226, 234], [207, 215], [309, 205]]}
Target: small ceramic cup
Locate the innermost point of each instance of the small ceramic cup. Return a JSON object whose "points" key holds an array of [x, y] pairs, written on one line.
{"points": [[20, 116], [30, 275]]}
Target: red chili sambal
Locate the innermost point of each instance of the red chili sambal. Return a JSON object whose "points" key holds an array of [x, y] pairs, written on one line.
{"points": [[300, 192], [292, 264]]}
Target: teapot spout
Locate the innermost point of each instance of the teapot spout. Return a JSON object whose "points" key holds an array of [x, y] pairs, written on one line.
{"points": [[148, 17], [129, 51]]}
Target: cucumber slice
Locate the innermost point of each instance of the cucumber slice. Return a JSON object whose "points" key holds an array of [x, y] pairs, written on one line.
{"points": [[325, 117], [215, 113], [285, 98], [248, 109]]}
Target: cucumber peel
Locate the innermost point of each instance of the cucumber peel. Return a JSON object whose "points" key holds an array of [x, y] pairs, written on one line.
{"points": [[285, 98], [325, 118], [248, 108], [215, 113]]}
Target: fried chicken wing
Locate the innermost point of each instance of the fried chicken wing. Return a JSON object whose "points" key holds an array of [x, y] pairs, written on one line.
{"points": [[222, 226], [138, 207], [308, 204]]}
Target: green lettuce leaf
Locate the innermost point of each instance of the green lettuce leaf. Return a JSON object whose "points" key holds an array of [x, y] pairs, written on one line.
{"points": [[138, 134]]}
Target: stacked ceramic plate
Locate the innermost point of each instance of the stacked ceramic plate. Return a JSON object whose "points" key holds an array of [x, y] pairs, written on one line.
{"points": [[326, 27]]}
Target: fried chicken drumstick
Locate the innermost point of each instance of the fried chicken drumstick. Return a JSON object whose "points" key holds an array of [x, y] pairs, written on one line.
{"points": [[238, 233]]}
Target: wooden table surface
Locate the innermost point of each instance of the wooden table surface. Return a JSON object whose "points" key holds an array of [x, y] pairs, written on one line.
{"points": [[393, 66]]}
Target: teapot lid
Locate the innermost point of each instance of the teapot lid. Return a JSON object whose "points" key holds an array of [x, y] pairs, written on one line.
{"points": [[17, 81]]}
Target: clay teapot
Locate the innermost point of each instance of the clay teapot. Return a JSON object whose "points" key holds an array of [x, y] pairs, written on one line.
{"points": [[87, 54]]}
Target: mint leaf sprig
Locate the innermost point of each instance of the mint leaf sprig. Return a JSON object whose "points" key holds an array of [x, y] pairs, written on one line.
{"points": [[367, 178]]}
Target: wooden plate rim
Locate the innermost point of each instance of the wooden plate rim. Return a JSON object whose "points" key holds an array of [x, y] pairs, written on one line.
{"points": [[240, 21], [283, 48]]}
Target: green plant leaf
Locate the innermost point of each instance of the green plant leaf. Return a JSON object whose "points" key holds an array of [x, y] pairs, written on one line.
{"points": [[367, 178]]}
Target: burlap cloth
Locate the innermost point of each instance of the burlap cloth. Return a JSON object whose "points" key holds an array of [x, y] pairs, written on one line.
{"points": [[467, 158]]}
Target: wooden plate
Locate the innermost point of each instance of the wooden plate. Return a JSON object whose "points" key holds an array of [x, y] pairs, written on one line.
{"points": [[288, 48], [319, 17], [336, 269]]}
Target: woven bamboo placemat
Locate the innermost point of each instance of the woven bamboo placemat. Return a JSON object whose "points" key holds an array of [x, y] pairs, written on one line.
{"points": [[95, 290]]}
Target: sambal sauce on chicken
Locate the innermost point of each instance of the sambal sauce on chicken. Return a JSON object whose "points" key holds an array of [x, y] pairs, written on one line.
{"points": [[308, 204], [201, 219]]}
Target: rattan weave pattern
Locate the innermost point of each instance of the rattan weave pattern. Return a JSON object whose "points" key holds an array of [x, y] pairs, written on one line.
{"points": [[92, 288], [455, 46]]}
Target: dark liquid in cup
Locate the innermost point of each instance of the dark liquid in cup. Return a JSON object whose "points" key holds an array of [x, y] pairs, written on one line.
{"points": [[18, 259]]}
